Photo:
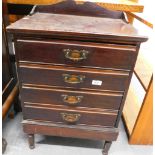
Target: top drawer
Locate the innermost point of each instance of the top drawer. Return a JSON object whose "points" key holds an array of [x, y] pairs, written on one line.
{"points": [[77, 54]]}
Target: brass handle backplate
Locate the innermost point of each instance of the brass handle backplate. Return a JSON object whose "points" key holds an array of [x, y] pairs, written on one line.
{"points": [[72, 100], [73, 79], [75, 55], [70, 118]]}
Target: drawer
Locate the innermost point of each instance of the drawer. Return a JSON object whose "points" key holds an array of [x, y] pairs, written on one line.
{"points": [[73, 77], [71, 97], [62, 114], [77, 53]]}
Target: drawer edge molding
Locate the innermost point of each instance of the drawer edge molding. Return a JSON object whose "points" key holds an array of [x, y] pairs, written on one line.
{"points": [[73, 69], [49, 87], [102, 45], [71, 97], [50, 123], [107, 93], [65, 108], [67, 65]]}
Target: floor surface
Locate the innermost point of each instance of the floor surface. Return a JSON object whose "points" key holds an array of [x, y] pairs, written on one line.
{"points": [[48, 145]]}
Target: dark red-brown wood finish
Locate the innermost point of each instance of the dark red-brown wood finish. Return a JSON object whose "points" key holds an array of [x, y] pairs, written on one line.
{"points": [[71, 97], [44, 52], [83, 78], [64, 114], [74, 75], [85, 9], [67, 26]]}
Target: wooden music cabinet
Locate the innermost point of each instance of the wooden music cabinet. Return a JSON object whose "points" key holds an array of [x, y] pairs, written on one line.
{"points": [[74, 74]]}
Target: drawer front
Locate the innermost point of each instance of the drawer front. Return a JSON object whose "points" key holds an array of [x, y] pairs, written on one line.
{"points": [[61, 114], [77, 54], [73, 77], [71, 97]]}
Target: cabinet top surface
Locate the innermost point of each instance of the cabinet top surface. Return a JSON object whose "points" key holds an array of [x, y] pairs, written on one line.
{"points": [[71, 25]]}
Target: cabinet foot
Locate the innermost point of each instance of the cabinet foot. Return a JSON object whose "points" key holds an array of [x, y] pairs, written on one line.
{"points": [[106, 147], [4, 144], [31, 141]]}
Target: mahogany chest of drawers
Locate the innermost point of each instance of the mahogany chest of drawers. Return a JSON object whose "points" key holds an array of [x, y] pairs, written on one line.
{"points": [[74, 74]]}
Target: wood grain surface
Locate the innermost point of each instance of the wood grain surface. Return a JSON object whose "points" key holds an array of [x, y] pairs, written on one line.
{"points": [[54, 113], [68, 25], [123, 5], [93, 99], [43, 68], [112, 56], [143, 130], [77, 131], [56, 77]]}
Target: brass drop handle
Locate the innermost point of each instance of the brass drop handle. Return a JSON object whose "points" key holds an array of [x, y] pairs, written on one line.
{"points": [[70, 118], [75, 55], [72, 100], [73, 79]]}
